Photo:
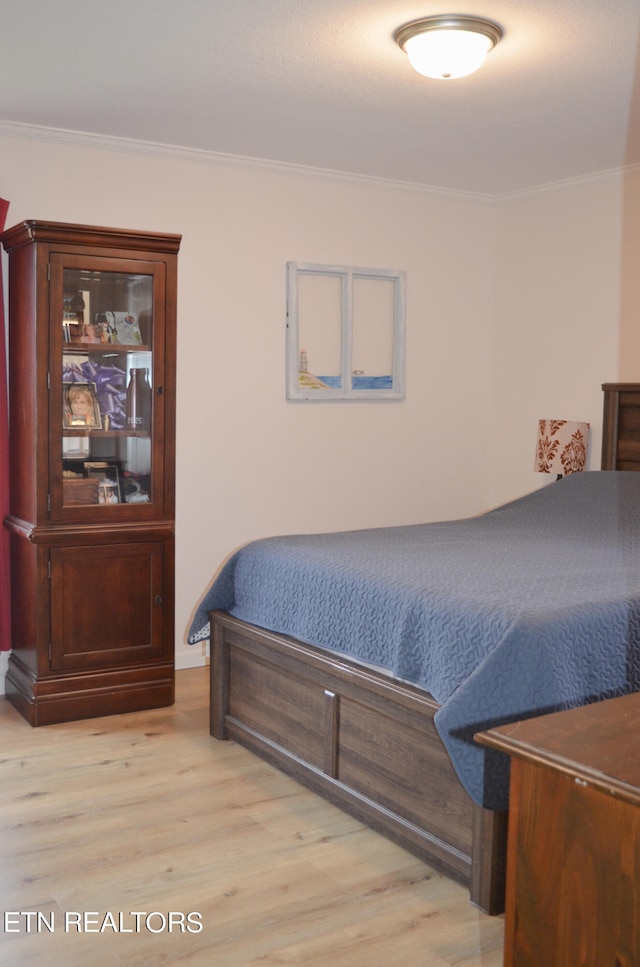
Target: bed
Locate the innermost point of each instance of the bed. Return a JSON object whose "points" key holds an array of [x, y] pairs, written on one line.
{"points": [[372, 697]]}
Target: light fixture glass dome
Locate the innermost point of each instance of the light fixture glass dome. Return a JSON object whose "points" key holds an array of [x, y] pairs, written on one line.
{"points": [[448, 47]]}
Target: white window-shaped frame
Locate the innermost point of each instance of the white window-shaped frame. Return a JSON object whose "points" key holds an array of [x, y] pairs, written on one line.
{"points": [[345, 333]]}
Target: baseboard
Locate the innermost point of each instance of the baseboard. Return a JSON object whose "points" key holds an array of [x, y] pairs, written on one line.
{"points": [[4, 661], [190, 661]]}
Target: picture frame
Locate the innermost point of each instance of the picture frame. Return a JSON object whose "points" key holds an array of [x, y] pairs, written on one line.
{"points": [[117, 328], [345, 333], [76, 311], [80, 409], [108, 481]]}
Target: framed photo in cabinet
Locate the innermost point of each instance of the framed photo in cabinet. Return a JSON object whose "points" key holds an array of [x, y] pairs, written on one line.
{"points": [[80, 407], [108, 482], [119, 328]]}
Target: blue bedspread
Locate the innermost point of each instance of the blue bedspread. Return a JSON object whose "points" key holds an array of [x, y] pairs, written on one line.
{"points": [[529, 608]]}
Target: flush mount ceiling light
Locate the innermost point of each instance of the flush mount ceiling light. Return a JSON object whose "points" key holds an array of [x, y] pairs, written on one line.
{"points": [[447, 46]]}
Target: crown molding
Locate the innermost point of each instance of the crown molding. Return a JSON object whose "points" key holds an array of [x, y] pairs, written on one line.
{"points": [[171, 152], [569, 184], [200, 156]]}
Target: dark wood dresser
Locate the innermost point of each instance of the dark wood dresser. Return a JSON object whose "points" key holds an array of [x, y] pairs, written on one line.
{"points": [[573, 862]]}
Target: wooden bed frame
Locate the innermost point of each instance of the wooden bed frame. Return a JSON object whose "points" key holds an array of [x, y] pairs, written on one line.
{"points": [[367, 742], [360, 739]]}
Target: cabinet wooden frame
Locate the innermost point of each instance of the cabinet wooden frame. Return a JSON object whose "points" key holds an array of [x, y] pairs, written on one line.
{"points": [[92, 583]]}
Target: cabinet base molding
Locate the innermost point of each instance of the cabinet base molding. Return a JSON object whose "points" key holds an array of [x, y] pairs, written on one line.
{"points": [[64, 698]]}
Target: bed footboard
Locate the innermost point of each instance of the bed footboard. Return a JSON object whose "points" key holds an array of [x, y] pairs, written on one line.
{"points": [[362, 740]]}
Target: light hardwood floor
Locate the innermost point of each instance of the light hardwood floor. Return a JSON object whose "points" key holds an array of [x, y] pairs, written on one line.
{"points": [[144, 813]]}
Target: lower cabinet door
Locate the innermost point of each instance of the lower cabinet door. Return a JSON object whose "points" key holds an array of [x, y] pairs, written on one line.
{"points": [[107, 604]]}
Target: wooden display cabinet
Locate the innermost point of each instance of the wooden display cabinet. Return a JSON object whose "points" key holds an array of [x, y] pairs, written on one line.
{"points": [[91, 520]]}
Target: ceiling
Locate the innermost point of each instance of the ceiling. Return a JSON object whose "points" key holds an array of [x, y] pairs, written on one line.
{"points": [[321, 83]]}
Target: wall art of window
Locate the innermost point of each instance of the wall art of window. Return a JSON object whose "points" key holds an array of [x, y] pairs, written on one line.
{"points": [[345, 333]]}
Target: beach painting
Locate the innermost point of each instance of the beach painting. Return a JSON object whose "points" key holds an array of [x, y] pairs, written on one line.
{"points": [[345, 335]]}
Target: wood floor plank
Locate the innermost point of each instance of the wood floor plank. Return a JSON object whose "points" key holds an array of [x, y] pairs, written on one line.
{"points": [[106, 821]]}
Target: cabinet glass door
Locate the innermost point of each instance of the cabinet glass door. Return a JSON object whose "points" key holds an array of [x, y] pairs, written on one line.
{"points": [[108, 321]]}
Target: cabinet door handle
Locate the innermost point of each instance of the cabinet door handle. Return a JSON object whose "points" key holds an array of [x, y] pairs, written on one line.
{"points": [[158, 599]]}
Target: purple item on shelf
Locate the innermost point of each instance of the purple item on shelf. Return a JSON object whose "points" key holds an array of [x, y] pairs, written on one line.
{"points": [[111, 388]]}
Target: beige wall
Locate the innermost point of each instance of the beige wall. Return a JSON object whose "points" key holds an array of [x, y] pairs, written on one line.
{"points": [[629, 354], [558, 324], [513, 313]]}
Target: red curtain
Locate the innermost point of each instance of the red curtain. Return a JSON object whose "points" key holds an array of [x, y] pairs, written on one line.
{"points": [[5, 589]]}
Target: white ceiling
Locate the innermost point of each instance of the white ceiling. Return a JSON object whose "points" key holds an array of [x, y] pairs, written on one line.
{"points": [[321, 83]]}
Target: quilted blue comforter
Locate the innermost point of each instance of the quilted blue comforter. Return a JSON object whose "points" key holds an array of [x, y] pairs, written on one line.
{"points": [[529, 608]]}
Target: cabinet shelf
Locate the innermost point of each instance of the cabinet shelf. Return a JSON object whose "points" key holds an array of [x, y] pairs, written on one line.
{"points": [[104, 348], [105, 434]]}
